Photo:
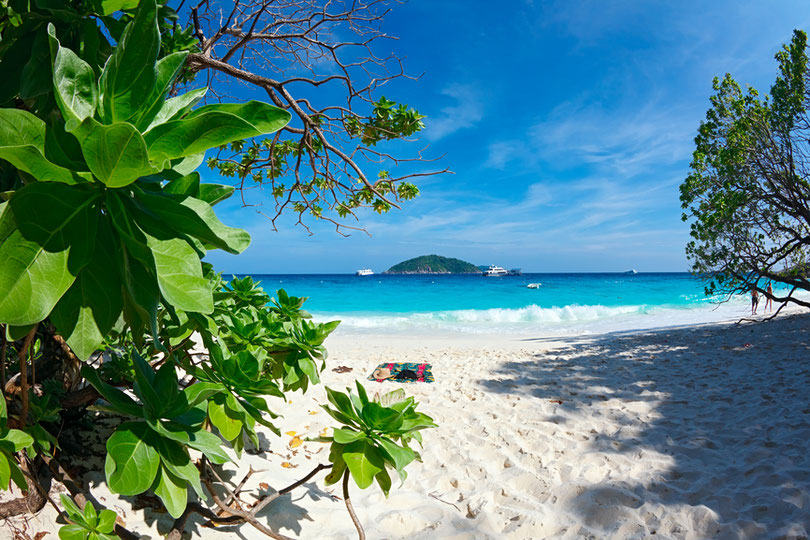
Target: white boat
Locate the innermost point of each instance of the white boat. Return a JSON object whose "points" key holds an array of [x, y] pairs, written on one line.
{"points": [[494, 271], [533, 285], [365, 272], [632, 272]]}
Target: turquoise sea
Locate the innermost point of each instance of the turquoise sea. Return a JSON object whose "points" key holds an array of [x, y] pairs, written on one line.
{"points": [[562, 304]]}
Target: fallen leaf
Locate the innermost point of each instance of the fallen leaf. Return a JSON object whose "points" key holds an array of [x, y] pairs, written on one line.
{"points": [[264, 485], [296, 442], [288, 465], [290, 433], [313, 412], [558, 401], [40, 535]]}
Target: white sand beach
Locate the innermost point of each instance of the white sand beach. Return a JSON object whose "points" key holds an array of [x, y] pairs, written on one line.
{"points": [[691, 432]]}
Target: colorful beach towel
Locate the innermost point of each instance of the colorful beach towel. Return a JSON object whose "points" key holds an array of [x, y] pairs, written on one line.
{"points": [[404, 372]]}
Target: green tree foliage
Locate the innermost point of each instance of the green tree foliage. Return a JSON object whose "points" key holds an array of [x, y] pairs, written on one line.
{"points": [[103, 227], [748, 191], [376, 436]]}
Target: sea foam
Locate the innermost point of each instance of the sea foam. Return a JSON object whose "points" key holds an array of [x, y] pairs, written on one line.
{"points": [[576, 319]]}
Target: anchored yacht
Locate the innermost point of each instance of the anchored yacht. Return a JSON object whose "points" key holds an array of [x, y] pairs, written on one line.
{"points": [[365, 272], [495, 271]]}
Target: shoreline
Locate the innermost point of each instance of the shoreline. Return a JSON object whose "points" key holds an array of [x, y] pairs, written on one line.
{"points": [[696, 431]]}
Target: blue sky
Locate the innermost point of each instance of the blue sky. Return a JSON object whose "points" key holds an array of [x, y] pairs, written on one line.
{"points": [[568, 127]]}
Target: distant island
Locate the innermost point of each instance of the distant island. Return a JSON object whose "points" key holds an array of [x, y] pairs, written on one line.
{"points": [[433, 264]]}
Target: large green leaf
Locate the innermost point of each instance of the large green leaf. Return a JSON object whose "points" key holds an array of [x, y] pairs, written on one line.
{"points": [[213, 125], [178, 462], [18, 439], [73, 532], [141, 293], [346, 436], [109, 7], [74, 83], [188, 185], [179, 274], [93, 304], [228, 422], [363, 461], [129, 75], [22, 143], [116, 153], [399, 455], [382, 418], [54, 239], [176, 107], [9, 470], [172, 491], [338, 468], [166, 385], [214, 193], [210, 445], [191, 216], [187, 165], [145, 386], [134, 457], [384, 481], [167, 69]]}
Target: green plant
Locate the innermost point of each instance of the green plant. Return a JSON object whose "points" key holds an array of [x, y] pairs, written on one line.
{"points": [[375, 435], [87, 524], [103, 227], [152, 452]]}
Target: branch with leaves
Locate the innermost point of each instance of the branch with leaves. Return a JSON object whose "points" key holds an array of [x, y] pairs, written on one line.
{"points": [[330, 161]]}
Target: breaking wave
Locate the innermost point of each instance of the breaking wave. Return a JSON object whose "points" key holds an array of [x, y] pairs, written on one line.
{"points": [[533, 318]]}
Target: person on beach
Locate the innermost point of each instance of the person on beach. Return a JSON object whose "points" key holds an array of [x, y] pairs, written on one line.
{"points": [[754, 299], [769, 297]]}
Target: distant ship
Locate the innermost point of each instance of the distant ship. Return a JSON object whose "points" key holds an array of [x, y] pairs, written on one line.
{"points": [[495, 271], [515, 272], [364, 272], [632, 272]]}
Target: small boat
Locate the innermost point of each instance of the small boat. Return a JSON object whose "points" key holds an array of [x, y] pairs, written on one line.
{"points": [[533, 285], [365, 272], [495, 271], [632, 272], [515, 272]]}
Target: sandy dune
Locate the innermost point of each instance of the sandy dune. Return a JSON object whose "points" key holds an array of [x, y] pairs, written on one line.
{"points": [[696, 432]]}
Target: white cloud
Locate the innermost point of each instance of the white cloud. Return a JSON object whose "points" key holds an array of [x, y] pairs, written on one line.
{"points": [[467, 111]]}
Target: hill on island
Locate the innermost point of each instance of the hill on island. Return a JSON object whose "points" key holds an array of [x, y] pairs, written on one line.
{"points": [[433, 264]]}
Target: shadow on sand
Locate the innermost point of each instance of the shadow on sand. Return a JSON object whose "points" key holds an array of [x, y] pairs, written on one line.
{"points": [[730, 424]]}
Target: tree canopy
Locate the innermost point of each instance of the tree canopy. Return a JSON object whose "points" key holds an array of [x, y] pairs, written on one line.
{"points": [[748, 194]]}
